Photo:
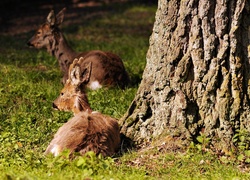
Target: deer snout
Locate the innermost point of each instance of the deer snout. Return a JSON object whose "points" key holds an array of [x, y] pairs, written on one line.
{"points": [[54, 106], [30, 44]]}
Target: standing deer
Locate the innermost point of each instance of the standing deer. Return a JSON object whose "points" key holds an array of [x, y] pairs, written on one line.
{"points": [[107, 69], [87, 130]]}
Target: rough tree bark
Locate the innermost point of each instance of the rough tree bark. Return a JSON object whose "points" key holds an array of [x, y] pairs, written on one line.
{"points": [[196, 78]]}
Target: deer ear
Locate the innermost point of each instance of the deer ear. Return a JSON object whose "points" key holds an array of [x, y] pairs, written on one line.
{"points": [[51, 18], [86, 73], [60, 17], [75, 75]]}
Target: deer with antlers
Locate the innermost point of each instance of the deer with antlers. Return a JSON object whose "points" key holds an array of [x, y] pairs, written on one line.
{"points": [[106, 69], [87, 130]]}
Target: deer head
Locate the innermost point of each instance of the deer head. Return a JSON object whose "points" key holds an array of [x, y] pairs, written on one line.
{"points": [[44, 36], [73, 96]]}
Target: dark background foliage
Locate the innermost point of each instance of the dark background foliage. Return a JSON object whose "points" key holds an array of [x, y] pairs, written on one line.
{"points": [[20, 16]]}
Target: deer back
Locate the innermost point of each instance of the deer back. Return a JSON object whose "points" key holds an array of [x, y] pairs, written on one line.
{"points": [[87, 132], [106, 69]]}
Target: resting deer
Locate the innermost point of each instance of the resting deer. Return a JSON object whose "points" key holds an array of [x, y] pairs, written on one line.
{"points": [[107, 69], [87, 130]]}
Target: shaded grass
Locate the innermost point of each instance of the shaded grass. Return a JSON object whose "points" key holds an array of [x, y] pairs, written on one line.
{"points": [[30, 81]]}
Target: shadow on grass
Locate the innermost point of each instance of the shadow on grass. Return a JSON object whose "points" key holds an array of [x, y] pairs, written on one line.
{"points": [[127, 145]]}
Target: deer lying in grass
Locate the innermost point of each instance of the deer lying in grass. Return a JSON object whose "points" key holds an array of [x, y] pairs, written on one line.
{"points": [[87, 130], [107, 69]]}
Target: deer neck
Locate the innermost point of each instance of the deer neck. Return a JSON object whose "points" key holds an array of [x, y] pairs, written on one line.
{"points": [[62, 51], [76, 111], [82, 104]]}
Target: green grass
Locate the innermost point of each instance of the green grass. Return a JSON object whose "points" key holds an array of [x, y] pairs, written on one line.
{"points": [[30, 81]]}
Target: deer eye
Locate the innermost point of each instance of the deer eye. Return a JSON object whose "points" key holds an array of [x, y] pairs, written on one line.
{"points": [[62, 94], [38, 32]]}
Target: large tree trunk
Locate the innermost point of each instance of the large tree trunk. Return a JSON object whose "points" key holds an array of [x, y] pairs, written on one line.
{"points": [[197, 75]]}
